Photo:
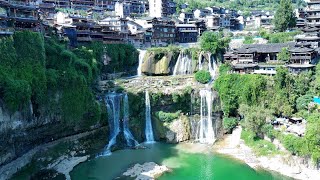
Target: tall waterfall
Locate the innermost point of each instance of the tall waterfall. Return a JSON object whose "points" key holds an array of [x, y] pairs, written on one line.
{"points": [[149, 130], [113, 105], [113, 109], [142, 53], [183, 64], [206, 132], [127, 134]]}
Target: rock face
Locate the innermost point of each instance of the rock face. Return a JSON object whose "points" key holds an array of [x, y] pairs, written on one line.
{"points": [[158, 64], [146, 171], [178, 130]]}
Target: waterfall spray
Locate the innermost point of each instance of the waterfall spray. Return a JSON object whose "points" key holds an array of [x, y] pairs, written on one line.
{"points": [[183, 64]]}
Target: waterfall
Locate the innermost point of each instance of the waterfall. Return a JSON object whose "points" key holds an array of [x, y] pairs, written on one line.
{"points": [[113, 109], [183, 64], [213, 67], [127, 134], [113, 105], [148, 131], [200, 61], [142, 53], [206, 133]]}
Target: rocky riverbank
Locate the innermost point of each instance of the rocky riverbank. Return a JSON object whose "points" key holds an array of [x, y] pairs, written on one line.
{"points": [[285, 164]]}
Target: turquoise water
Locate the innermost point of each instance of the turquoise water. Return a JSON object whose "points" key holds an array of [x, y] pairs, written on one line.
{"points": [[185, 165]]}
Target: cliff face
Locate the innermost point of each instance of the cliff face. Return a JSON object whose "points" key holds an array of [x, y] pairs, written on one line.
{"points": [[159, 63], [21, 131]]}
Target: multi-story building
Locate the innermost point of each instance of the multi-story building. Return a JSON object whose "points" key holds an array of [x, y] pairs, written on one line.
{"points": [[310, 36], [158, 8], [115, 26], [20, 15], [186, 33], [127, 8], [263, 58], [201, 13], [163, 30], [313, 12]]}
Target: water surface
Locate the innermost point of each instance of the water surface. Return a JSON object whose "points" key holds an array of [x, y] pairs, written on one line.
{"points": [[202, 165]]}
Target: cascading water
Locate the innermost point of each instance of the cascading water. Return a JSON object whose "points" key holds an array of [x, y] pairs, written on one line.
{"points": [[183, 65], [213, 67], [113, 109], [149, 130], [113, 104], [142, 53], [205, 133], [127, 134]]}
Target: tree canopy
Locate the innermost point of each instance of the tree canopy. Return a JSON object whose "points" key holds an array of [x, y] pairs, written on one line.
{"points": [[284, 17], [214, 42]]}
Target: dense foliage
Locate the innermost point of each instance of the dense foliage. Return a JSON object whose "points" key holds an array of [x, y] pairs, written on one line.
{"points": [[167, 117], [284, 55], [229, 124], [203, 76], [278, 37], [284, 17], [257, 99], [214, 42], [54, 80], [118, 57]]}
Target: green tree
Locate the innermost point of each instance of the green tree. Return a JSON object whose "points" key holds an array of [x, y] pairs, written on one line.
{"points": [[214, 42], [255, 117], [284, 17], [284, 55]]}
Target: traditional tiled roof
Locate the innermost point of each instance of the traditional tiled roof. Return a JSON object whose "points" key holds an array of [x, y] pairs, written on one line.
{"points": [[264, 48], [300, 49]]}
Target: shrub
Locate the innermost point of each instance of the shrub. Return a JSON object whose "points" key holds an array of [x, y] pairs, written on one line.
{"points": [[167, 117], [268, 130], [294, 144], [229, 124], [203, 76], [248, 40]]}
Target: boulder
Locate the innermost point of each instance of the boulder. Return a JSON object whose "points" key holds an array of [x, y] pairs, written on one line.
{"points": [[146, 171]]}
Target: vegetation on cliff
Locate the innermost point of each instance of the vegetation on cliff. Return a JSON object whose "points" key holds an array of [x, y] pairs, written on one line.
{"points": [[259, 98], [54, 79]]}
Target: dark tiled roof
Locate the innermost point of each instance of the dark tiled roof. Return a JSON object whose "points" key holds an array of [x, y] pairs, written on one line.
{"points": [[264, 48], [300, 49]]}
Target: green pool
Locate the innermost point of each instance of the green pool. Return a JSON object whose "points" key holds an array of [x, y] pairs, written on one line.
{"points": [[186, 163]]}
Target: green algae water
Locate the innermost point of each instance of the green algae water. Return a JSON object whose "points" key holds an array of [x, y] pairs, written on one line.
{"points": [[186, 163]]}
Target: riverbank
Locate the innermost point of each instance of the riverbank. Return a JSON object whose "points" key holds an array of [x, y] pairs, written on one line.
{"points": [[285, 164]]}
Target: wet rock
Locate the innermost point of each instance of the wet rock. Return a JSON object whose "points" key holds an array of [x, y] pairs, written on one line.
{"points": [[146, 171]]}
